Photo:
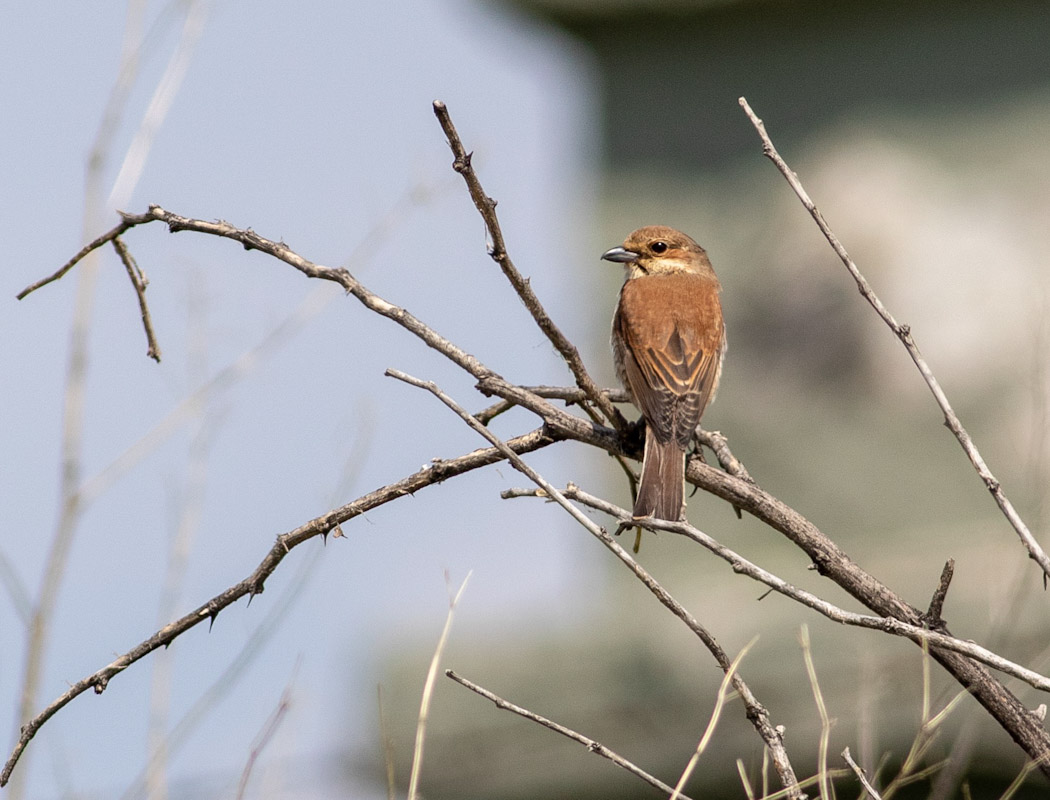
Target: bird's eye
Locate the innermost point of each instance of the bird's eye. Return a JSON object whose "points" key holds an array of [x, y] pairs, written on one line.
{"points": [[659, 247]]}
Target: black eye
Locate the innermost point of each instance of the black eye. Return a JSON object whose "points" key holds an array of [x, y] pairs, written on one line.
{"points": [[659, 247]]}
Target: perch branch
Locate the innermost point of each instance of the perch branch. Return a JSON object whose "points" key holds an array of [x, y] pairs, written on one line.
{"points": [[590, 744], [903, 332]]}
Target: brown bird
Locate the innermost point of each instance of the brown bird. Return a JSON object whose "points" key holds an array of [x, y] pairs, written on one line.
{"points": [[668, 340]]}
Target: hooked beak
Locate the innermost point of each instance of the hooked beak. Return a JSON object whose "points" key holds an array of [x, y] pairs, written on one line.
{"points": [[620, 255]]}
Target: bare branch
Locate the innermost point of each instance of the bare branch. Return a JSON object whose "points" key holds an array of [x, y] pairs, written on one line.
{"points": [[139, 283], [903, 332], [590, 744], [853, 765], [487, 208]]}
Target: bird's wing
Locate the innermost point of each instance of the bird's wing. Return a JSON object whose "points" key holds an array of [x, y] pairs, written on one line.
{"points": [[673, 336]]}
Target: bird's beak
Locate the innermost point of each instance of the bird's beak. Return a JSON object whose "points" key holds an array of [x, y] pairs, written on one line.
{"points": [[620, 255]]}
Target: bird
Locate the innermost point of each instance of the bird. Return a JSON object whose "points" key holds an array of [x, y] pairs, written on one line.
{"points": [[668, 341]]}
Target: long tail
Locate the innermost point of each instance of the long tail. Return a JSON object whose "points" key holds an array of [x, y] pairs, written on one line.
{"points": [[662, 489]]}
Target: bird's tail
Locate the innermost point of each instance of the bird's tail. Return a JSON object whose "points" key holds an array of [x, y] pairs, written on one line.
{"points": [[661, 491]]}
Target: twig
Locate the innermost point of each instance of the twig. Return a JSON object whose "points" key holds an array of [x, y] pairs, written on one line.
{"points": [[853, 765], [719, 445], [139, 283], [916, 632], [573, 394], [590, 744], [487, 208], [903, 332], [428, 693], [512, 494], [486, 415], [933, 614], [570, 394], [756, 713]]}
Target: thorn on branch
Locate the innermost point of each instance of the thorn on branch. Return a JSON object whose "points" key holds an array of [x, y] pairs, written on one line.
{"points": [[933, 618]]}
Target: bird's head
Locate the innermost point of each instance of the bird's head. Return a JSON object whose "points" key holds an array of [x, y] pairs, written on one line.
{"points": [[656, 250]]}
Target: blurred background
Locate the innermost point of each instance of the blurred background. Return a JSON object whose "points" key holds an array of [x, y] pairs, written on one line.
{"points": [[918, 128]]}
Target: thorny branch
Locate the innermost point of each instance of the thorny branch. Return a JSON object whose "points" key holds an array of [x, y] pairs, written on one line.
{"points": [[432, 473], [903, 332]]}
